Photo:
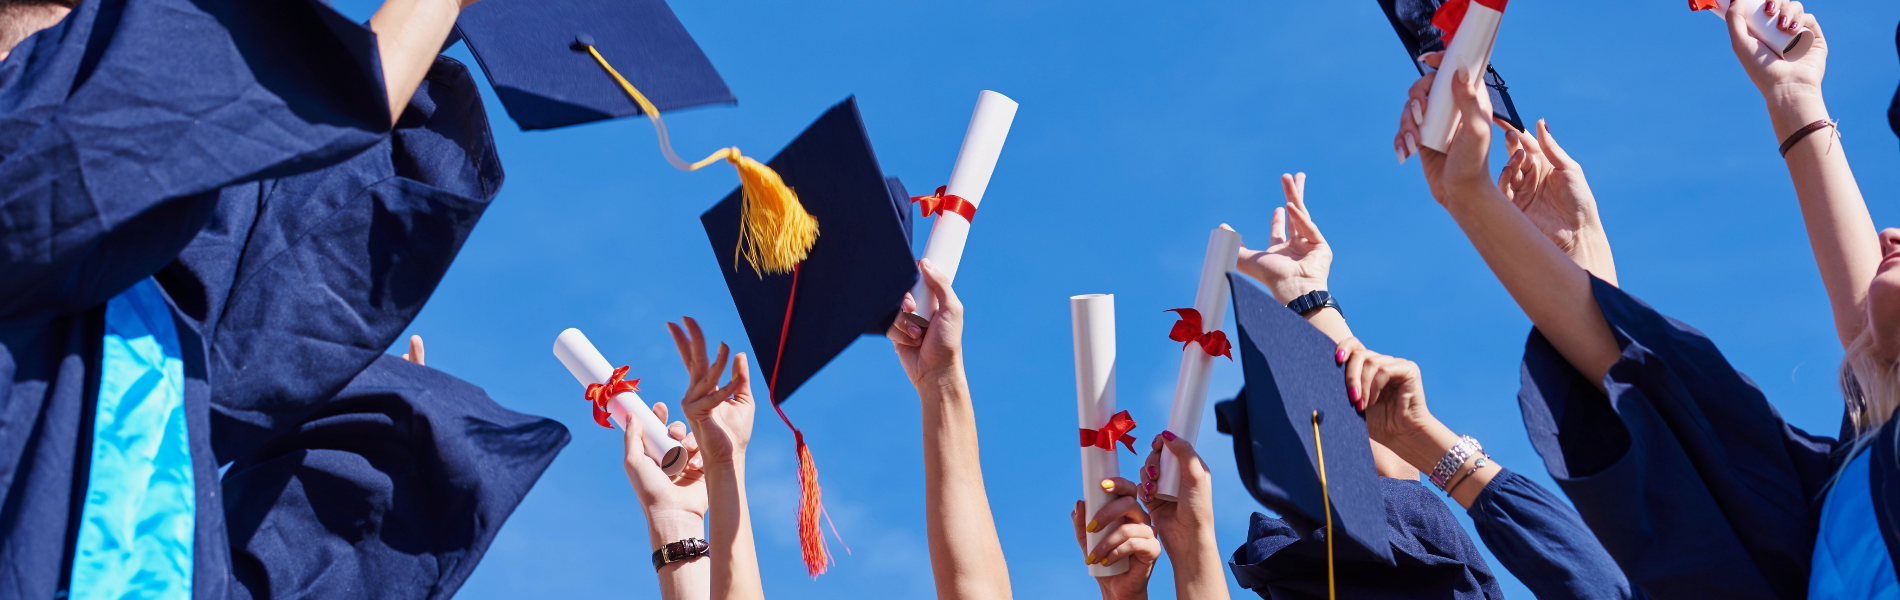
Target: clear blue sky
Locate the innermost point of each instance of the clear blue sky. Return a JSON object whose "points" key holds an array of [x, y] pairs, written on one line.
{"points": [[1142, 126]]}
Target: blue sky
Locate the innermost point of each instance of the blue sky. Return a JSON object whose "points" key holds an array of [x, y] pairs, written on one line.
{"points": [[1142, 125]]}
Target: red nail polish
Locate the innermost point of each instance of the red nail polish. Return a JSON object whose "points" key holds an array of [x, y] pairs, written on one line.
{"points": [[1169, 435]]}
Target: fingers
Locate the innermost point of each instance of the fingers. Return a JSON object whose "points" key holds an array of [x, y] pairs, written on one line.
{"points": [[1474, 109], [939, 285], [687, 358], [1558, 157], [1124, 509], [677, 431], [659, 411], [1193, 469], [698, 339], [904, 330], [718, 366], [1745, 45], [1075, 517], [1405, 142], [1388, 375], [1292, 186], [1126, 540], [643, 471], [741, 385], [1432, 59], [415, 350], [1789, 17], [1355, 373], [1277, 235]]}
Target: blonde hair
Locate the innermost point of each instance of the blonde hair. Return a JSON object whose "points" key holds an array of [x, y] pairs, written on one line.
{"points": [[1869, 385]]}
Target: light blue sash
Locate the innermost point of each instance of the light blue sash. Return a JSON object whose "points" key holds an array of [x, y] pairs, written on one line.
{"points": [[138, 522], [1850, 556]]}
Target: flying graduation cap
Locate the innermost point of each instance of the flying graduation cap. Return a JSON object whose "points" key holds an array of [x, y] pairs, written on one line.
{"points": [[851, 284], [556, 63], [1293, 411], [1413, 20]]}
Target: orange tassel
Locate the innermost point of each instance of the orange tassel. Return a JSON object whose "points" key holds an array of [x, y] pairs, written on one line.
{"points": [[811, 506]]}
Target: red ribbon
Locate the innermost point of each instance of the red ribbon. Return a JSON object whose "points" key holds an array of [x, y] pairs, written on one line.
{"points": [[1115, 431], [1452, 14], [1188, 331], [939, 203], [600, 393], [1701, 4]]}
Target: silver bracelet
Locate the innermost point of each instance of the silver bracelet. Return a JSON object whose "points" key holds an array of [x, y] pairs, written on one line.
{"points": [[1453, 459]]}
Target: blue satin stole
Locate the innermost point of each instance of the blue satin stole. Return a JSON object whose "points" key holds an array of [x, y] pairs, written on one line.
{"points": [[1851, 559]]}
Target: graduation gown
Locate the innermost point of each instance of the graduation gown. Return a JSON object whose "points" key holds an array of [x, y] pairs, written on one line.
{"points": [[1544, 543], [294, 239], [1435, 559], [1687, 475]]}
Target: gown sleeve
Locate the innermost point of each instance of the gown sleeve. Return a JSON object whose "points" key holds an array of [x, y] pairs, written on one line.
{"points": [[1542, 541], [1687, 475], [396, 486], [119, 124], [315, 275]]}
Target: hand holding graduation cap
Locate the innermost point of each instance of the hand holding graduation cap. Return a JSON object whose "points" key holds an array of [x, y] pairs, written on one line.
{"points": [[1297, 259], [936, 348]]}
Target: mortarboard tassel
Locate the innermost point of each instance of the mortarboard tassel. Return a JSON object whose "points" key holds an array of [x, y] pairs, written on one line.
{"points": [[1326, 504], [775, 231], [811, 497]]}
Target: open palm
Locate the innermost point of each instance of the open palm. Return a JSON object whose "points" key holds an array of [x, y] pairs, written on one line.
{"points": [[1297, 259]]}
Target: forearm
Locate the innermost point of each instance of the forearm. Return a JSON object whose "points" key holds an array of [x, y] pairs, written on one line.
{"points": [[687, 579], [1552, 290], [1592, 252], [965, 554], [1425, 446], [1200, 575], [734, 571], [409, 34], [1840, 230]]}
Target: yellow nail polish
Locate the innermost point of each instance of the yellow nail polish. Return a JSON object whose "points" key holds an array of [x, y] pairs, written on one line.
{"points": [[1108, 485], [1091, 527], [1089, 560]]}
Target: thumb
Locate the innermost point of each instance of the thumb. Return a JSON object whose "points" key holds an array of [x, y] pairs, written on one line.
{"points": [[1474, 108], [1562, 159], [1184, 455], [642, 470], [939, 284], [1745, 45]]}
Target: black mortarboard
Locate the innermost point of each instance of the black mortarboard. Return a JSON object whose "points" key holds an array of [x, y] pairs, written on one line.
{"points": [[1893, 110], [1290, 375], [850, 284], [1412, 19], [855, 277], [533, 54]]}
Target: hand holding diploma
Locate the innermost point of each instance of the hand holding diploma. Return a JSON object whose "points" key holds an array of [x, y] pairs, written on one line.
{"points": [[955, 204], [1779, 30], [1470, 27], [1093, 318], [1197, 359], [625, 407]]}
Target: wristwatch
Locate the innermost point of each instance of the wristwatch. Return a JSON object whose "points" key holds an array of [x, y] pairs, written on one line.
{"points": [[1312, 301], [686, 549]]}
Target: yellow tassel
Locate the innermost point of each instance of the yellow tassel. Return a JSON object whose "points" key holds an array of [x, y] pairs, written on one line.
{"points": [[1326, 503], [775, 231]]}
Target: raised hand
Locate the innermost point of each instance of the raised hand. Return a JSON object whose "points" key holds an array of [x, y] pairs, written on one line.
{"points": [[1129, 536], [414, 354], [1549, 188], [684, 494], [1389, 390], [1464, 169], [721, 416], [934, 350], [1185, 527], [1774, 77], [1297, 259]]}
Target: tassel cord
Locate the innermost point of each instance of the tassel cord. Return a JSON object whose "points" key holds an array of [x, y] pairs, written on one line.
{"points": [[1326, 500], [659, 126]]}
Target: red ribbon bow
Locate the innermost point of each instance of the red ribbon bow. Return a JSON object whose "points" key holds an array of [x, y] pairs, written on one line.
{"points": [[600, 393], [1452, 14], [939, 203], [1115, 431], [1702, 4], [1188, 331]]}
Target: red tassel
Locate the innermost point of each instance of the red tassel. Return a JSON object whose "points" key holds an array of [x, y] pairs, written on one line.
{"points": [[811, 506]]}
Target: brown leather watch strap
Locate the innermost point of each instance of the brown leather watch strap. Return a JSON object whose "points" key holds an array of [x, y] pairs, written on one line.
{"points": [[685, 549]]}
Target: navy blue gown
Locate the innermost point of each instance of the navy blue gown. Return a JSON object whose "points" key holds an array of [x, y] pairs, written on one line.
{"points": [[237, 153], [1544, 543], [1687, 475]]}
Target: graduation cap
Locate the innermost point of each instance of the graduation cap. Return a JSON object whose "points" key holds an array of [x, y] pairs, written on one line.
{"points": [[1293, 411], [850, 285], [556, 63], [1412, 19]]}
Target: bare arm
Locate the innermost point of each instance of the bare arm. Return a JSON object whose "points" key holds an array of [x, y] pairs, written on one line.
{"points": [[409, 34], [722, 428], [1547, 284], [966, 555], [1846, 245]]}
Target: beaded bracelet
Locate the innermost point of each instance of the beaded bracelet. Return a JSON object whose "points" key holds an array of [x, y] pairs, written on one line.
{"points": [[1456, 457]]}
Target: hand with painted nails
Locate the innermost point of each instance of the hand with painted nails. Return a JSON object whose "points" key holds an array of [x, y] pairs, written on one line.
{"points": [[1405, 142], [1389, 390], [1463, 171], [1549, 188], [938, 348], [1297, 259], [1185, 526], [721, 417], [1776, 78], [1130, 536]]}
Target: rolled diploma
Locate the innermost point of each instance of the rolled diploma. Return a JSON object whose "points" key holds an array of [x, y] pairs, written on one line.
{"points": [[1190, 388], [1789, 46], [1470, 51], [1093, 316], [589, 367], [982, 144]]}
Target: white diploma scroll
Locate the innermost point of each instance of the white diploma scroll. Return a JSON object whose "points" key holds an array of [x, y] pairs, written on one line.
{"points": [[1093, 316], [982, 144], [1469, 51], [1789, 46], [1190, 388], [589, 367]]}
